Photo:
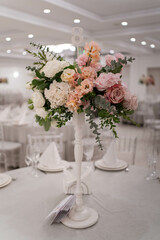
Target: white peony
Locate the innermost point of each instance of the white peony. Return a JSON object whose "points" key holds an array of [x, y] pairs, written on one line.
{"points": [[51, 68], [57, 94], [29, 85], [38, 99], [41, 112]]}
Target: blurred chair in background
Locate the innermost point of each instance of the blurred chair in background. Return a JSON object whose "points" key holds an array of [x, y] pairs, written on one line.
{"points": [[126, 149], [9, 152]]}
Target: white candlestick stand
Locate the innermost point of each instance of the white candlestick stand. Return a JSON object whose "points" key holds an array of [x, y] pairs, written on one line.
{"points": [[80, 215]]}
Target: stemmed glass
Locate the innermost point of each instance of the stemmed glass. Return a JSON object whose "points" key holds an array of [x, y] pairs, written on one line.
{"points": [[28, 157], [36, 155], [32, 158], [88, 150], [152, 163]]}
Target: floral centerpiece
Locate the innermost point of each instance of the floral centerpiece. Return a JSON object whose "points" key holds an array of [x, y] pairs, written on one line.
{"points": [[60, 89], [147, 80]]}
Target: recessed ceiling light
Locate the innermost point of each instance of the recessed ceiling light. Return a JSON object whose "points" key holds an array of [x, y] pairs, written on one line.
{"points": [[30, 35], [132, 39], [143, 43], [72, 48], [152, 45], [24, 53], [124, 23], [76, 20], [8, 39], [8, 51], [111, 51], [46, 10], [16, 74]]}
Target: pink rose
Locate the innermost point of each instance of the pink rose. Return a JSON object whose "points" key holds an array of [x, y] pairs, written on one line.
{"points": [[96, 66], [115, 94], [106, 80], [109, 58], [130, 101], [119, 55], [82, 60]]}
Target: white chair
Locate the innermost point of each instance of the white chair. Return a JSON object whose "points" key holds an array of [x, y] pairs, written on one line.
{"points": [[40, 141], [126, 149], [10, 152]]}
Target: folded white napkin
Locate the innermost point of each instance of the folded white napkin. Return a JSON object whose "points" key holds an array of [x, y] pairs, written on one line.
{"points": [[22, 119], [110, 157], [5, 114], [69, 181], [50, 157]]}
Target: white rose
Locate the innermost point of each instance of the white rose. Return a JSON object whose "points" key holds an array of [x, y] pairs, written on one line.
{"points": [[28, 85], [41, 112], [68, 75], [64, 64], [51, 68], [38, 99]]}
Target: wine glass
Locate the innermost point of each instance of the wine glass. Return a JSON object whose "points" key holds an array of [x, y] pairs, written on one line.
{"points": [[36, 154], [88, 150], [28, 158]]}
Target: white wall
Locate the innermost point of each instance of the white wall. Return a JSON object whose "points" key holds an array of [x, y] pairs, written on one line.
{"points": [[139, 67], [7, 69]]}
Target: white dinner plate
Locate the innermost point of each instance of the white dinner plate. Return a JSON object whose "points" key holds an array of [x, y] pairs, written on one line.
{"points": [[4, 180], [120, 165], [60, 167]]}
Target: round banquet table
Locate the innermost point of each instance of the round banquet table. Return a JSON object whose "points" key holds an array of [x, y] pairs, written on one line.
{"points": [[128, 207]]}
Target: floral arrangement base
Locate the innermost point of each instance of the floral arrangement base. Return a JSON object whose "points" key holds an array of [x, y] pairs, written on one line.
{"points": [[85, 218]]}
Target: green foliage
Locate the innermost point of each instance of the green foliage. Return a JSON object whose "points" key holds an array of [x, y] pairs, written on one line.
{"points": [[79, 81]]}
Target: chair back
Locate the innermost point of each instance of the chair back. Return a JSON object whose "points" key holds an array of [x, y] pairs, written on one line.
{"points": [[40, 141], [126, 148]]}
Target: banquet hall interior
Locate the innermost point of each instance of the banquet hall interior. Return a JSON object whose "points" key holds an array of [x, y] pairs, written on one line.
{"points": [[131, 28]]}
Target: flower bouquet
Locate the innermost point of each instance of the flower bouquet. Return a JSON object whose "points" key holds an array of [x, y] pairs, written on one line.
{"points": [[147, 80], [61, 89]]}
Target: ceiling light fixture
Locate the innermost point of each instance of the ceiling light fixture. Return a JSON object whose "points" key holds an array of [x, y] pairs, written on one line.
{"points": [[8, 51], [46, 10], [77, 20], [124, 23], [24, 53], [132, 39], [111, 51], [152, 45], [16, 74], [8, 39], [30, 35], [143, 43]]}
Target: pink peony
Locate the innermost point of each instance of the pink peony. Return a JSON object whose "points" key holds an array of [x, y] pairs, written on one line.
{"points": [[88, 72], [96, 66], [116, 93], [106, 80], [109, 58], [130, 101], [119, 55], [82, 60]]}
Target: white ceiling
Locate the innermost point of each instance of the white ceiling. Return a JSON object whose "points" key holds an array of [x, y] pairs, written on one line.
{"points": [[100, 19]]}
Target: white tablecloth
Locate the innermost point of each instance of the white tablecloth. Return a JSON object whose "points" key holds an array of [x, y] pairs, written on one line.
{"points": [[128, 207]]}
